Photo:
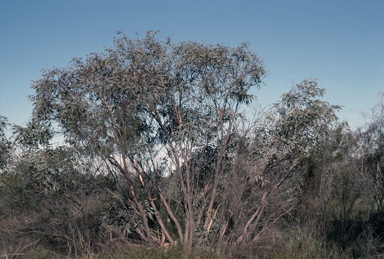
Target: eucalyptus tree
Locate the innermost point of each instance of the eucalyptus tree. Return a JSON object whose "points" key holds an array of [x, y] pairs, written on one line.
{"points": [[293, 129], [145, 107], [370, 152]]}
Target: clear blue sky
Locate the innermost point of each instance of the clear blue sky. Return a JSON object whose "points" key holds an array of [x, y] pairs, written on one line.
{"points": [[340, 42]]}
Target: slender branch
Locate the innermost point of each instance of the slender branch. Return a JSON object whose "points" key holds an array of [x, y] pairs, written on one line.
{"points": [[218, 171]]}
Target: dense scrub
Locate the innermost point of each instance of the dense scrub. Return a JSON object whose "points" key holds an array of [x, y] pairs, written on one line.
{"points": [[157, 159]]}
